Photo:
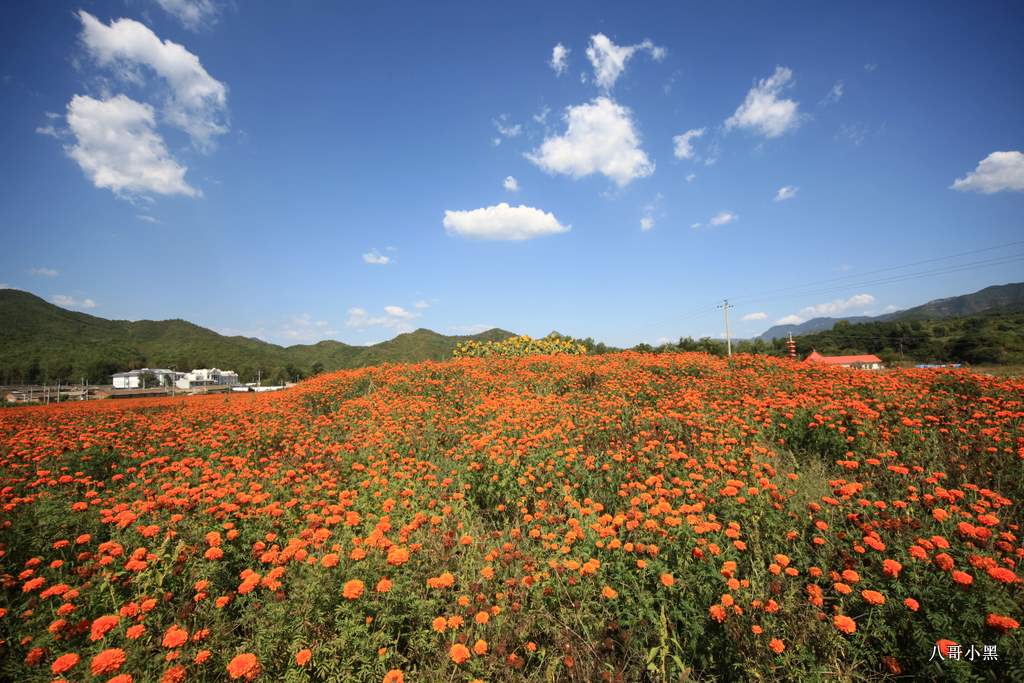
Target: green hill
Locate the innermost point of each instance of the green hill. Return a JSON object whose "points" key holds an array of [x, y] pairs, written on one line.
{"points": [[1003, 298], [40, 341], [987, 338]]}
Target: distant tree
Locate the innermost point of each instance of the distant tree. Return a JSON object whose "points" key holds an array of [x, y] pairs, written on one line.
{"points": [[318, 368], [149, 380]]}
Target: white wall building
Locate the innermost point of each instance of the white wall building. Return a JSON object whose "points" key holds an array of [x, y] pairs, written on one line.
{"points": [[205, 377], [146, 378]]}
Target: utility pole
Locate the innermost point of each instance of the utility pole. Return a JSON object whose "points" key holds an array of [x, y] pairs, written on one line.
{"points": [[728, 337]]}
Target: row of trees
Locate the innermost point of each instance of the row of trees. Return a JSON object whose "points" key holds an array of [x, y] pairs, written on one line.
{"points": [[980, 339]]}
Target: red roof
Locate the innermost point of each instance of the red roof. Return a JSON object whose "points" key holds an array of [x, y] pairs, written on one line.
{"points": [[816, 357]]}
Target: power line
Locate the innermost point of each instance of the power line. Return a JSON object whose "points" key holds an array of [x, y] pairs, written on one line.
{"points": [[997, 261], [888, 269]]}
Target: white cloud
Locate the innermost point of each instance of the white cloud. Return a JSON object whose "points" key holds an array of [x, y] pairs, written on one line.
{"points": [[118, 149], [789, 320], [147, 218], [470, 329], [507, 129], [690, 178], [609, 60], [542, 117], [44, 272], [375, 258], [600, 138], [559, 59], [684, 148], [51, 130], [193, 14], [723, 218], [646, 223], [71, 302], [302, 328], [759, 315], [421, 304], [197, 102], [511, 184], [399, 312], [4, 285], [786, 192], [502, 222], [870, 67], [395, 318], [997, 172], [856, 133], [833, 95], [763, 111], [833, 308], [695, 225]]}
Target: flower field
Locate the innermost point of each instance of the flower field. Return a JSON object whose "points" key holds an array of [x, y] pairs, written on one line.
{"points": [[549, 518]]}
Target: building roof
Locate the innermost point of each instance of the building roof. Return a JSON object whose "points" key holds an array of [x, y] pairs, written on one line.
{"points": [[155, 371], [816, 357]]}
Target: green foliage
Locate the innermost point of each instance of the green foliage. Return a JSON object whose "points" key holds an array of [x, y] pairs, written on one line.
{"points": [[995, 338]]}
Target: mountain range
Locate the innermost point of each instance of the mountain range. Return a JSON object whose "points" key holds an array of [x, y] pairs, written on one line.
{"points": [[39, 340], [1006, 298]]}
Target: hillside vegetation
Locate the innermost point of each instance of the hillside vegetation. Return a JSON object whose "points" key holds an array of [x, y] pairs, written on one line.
{"points": [[42, 342], [1007, 298]]}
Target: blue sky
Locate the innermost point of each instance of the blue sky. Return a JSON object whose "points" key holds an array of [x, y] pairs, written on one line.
{"points": [[306, 170]]}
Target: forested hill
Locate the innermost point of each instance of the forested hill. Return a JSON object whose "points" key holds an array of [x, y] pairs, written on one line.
{"points": [[43, 342], [1007, 298], [988, 338]]}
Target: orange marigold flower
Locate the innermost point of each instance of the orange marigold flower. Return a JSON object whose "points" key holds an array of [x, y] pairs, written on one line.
{"points": [[397, 556], [873, 597], [963, 578], [394, 676], [1001, 622], [244, 666], [891, 568], [609, 593], [121, 678], [65, 663], [911, 604], [777, 646], [458, 653], [844, 623], [135, 631], [667, 580], [480, 647], [944, 646], [202, 656], [303, 656], [445, 580], [107, 661], [176, 674], [175, 636], [353, 589], [1003, 575], [717, 612], [482, 617], [102, 625], [439, 624], [384, 585]]}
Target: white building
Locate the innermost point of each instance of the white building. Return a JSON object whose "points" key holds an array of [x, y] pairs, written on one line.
{"points": [[146, 378], [205, 377]]}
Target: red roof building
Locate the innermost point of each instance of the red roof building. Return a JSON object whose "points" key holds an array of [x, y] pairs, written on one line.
{"points": [[866, 362]]}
